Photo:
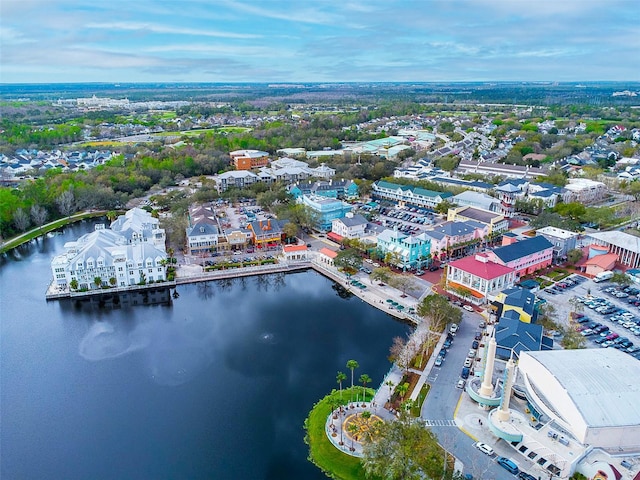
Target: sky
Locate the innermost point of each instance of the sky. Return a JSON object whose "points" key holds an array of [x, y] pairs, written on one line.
{"points": [[45, 41]]}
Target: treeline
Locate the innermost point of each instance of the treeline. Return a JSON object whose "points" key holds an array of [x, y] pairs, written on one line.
{"points": [[24, 135]]}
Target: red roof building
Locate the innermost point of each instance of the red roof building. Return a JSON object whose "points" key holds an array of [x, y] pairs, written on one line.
{"points": [[478, 279]]}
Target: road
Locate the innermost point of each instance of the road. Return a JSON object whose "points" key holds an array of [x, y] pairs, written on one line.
{"points": [[440, 405]]}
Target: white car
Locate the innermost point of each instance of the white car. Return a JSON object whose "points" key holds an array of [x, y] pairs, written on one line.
{"points": [[461, 383], [484, 448], [472, 353], [453, 328], [468, 308]]}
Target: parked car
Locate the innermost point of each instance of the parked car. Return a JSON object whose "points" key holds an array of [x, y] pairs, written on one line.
{"points": [[508, 465], [475, 344], [468, 308], [465, 372], [468, 362], [484, 448], [453, 328], [472, 353], [526, 476], [439, 361], [461, 384]]}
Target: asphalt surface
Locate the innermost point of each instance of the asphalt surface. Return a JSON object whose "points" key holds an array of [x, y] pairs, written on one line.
{"points": [[441, 403]]}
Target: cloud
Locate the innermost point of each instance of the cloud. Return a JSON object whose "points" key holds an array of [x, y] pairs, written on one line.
{"points": [[157, 28]]}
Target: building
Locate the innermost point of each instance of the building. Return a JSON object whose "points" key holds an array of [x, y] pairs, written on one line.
{"points": [[626, 246], [501, 169], [496, 222], [478, 279], [349, 226], [514, 336], [407, 194], [295, 252], [139, 226], [507, 194], [326, 257], [477, 200], [563, 241], [202, 237], [248, 159], [405, 251], [107, 258], [235, 178], [583, 190], [519, 300], [592, 394], [456, 238], [325, 210], [524, 256], [343, 189], [266, 233], [598, 260]]}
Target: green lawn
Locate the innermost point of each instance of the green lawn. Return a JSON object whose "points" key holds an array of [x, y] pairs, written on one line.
{"points": [[36, 232], [200, 131], [322, 453]]}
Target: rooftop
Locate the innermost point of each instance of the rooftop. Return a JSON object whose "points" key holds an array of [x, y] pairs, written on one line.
{"points": [[479, 215], [522, 248], [487, 270], [556, 232], [601, 382], [619, 239]]}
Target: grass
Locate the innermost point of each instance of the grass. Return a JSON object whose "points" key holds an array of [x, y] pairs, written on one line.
{"points": [[417, 407], [104, 143], [322, 452], [200, 131], [36, 232]]}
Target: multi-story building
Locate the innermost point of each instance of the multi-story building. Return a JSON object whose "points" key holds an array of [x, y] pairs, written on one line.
{"points": [[563, 241], [480, 200], [405, 251], [325, 210], [139, 226], [235, 178], [496, 222], [343, 189], [408, 195], [107, 258], [626, 246], [350, 226], [524, 256], [456, 238], [266, 232], [583, 190], [478, 279], [248, 159]]}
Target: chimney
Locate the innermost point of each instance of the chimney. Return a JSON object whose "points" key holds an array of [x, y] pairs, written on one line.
{"points": [[268, 224]]}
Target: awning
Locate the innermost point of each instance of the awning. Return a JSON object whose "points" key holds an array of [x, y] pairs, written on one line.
{"points": [[464, 287], [335, 237]]}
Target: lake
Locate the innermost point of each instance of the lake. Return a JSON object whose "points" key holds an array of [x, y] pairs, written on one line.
{"points": [[214, 384]]}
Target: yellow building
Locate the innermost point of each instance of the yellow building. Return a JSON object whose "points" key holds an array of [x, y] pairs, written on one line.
{"points": [[517, 299], [497, 223]]}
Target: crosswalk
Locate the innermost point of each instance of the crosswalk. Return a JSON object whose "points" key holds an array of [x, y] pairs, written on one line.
{"points": [[440, 423]]}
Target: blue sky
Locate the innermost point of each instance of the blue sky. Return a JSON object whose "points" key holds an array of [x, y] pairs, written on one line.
{"points": [[318, 41]]}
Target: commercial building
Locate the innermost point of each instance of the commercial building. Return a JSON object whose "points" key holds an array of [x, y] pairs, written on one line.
{"points": [[325, 210], [407, 194], [514, 336], [405, 251], [266, 232], [524, 256], [563, 241], [626, 246], [350, 226], [343, 189], [592, 394], [519, 300], [496, 222], [478, 279], [456, 238], [248, 159], [235, 178], [477, 200]]}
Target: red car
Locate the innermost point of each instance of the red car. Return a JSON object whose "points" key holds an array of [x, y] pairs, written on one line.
{"points": [[612, 336]]}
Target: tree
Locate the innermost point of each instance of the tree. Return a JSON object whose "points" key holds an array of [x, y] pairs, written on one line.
{"points": [[389, 384], [399, 353], [97, 281], [349, 261], [443, 207], [21, 220], [290, 229], [402, 389], [574, 256], [113, 281], [633, 189], [381, 274], [573, 340], [621, 279], [65, 203], [402, 283], [352, 365], [438, 311], [403, 450], [352, 428], [73, 284], [39, 215], [340, 377], [364, 379]]}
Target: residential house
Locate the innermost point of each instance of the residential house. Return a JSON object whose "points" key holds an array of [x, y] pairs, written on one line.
{"points": [[139, 226], [477, 278], [349, 226], [583, 190], [524, 256]]}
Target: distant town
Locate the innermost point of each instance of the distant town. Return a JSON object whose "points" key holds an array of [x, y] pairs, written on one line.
{"points": [[508, 235]]}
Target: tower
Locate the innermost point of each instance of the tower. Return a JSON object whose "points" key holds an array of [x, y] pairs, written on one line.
{"points": [[486, 389], [503, 410]]}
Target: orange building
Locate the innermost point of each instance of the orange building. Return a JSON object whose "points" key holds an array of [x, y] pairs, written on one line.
{"points": [[248, 159]]}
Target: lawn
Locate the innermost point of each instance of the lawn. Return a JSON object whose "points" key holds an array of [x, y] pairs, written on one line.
{"points": [[322, 453], [104, 143], [200, 131]]}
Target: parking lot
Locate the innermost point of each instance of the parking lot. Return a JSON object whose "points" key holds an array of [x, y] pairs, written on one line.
{"points": [[410, 220], [610, 316]]}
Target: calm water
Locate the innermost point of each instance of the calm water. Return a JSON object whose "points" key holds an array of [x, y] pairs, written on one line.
{"points": [[215, 385]]}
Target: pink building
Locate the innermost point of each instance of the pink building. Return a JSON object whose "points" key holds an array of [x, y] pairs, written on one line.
{"points": [[524, 256]]}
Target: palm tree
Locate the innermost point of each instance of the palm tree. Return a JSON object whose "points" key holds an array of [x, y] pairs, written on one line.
{"points": [[97, 281], [340, 377], [352, 365], [402, 389], [364, 379], [352, 428], [390, 385]]}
